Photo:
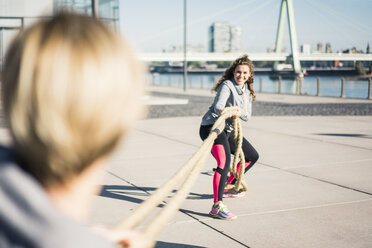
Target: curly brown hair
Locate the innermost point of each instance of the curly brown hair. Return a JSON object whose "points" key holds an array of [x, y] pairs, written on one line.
{"points": [[229, 74]]}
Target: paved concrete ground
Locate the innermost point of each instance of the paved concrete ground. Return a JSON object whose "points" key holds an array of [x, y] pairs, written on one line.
{"points": [[311, 187]]}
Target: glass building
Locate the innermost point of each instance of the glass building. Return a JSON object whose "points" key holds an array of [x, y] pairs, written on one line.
{"points": [[224, 37], [219, 37], [235, 39], [16, 14]]}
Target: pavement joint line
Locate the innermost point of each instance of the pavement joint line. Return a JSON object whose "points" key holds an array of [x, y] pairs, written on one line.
{"points": [[318, 179], [258, 129], [331, 163], [132, 184], [201, 221], [165, 137], [180, 210], [284, 210], [289, 209], [310, 138], [308, 207], [151, 157]]}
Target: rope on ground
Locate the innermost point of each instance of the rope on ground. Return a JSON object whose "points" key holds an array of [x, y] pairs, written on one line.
{"points": [[189, 172]]}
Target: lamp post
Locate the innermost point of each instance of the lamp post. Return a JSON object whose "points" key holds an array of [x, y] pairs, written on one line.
{"points": [[95, 8], [184, 45]]}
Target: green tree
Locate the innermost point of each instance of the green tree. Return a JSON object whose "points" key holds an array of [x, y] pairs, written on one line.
{"points": [[359, 68]]}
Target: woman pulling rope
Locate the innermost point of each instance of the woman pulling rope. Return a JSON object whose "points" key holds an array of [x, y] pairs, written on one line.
{"points": [[235, 88]]}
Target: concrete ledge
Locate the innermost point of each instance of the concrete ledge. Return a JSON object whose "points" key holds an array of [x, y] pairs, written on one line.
{"points": [[264, 97], [155, 100]]}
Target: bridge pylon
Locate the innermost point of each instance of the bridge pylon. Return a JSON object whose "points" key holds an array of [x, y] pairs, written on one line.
{"points": [[287, 6]]}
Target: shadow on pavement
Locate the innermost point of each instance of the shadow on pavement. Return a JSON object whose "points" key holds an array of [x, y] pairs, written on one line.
{"points": [[124, 193], [161, 244], [190, 212], [129, 193], [353, 135], [134, 194]]}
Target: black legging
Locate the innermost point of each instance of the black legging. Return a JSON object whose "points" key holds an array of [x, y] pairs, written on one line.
{"points": [[223, 147]]}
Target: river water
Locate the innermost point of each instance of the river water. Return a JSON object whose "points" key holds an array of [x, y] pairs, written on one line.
{"points": [[328, 85]]}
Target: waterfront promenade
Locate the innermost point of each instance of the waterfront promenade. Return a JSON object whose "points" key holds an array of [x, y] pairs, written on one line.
{"points": [[310, 188]]}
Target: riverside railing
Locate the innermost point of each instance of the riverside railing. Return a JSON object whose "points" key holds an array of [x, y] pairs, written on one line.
{"points": [[344, 87], [343, 84]]}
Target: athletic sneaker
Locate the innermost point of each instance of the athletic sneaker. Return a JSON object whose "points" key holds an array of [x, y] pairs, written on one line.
{"points": [[232, 193], [220, 211]]}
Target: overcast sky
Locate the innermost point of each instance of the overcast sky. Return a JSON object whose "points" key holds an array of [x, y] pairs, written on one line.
{"points": [[154, 25]]}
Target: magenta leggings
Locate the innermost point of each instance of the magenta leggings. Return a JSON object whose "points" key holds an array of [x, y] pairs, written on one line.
{"points": [[222, 149]]}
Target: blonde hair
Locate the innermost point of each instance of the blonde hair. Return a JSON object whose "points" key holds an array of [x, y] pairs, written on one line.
{"points": [[229, 74], [71, 89]]}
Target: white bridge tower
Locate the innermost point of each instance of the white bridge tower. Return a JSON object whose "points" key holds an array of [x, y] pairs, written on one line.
{"points": [[287, 6]]}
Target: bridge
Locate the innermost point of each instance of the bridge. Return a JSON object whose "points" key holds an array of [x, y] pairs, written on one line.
{"points": [[286, 12], [178, 57]]}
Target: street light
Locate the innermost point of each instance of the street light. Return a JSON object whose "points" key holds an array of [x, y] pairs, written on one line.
{"points": [[184, 44], [95, 8]]}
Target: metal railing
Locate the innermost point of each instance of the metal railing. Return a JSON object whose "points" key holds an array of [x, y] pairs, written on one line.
{"points": [[314, 86]]}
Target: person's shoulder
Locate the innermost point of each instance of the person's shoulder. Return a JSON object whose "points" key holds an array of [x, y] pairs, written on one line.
{"points": [[6, 153], [226, 84], [74, 235], [8, 161]]}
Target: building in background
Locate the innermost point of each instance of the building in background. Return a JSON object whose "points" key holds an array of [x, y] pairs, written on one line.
{"points": [[328, 48], [219, 37], [224, 38], [235, 39], [16, 14], [319, 47], [306, 48]]}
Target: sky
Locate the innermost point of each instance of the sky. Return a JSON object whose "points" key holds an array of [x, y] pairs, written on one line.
{"points": [[156, 25]]}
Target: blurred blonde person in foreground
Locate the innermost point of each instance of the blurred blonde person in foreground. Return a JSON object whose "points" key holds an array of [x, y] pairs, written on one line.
{"points": [[71, 89]]}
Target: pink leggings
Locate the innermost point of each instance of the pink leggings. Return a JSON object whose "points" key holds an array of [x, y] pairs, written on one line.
{"points": [[222, 149]]}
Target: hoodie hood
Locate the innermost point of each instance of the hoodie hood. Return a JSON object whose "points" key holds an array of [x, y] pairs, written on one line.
{"points": [[27, 216]]}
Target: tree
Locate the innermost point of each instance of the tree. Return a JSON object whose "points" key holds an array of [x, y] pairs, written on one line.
{"points": [[359, 68]]}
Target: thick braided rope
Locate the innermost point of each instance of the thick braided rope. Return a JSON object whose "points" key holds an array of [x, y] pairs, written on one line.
{"points": [[238, 137], [191, 169]]}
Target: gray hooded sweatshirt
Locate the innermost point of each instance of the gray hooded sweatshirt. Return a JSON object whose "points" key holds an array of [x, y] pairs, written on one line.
{"points": [[29, 219], [229, 94]]}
